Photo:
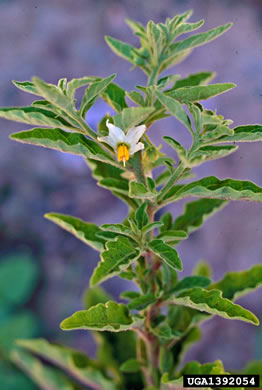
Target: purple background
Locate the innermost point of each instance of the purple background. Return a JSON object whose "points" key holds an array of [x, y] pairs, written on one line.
{"points": [[54, 39]]}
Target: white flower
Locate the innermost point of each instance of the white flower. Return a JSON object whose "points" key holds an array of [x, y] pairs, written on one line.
{"points": [[124, 144]]}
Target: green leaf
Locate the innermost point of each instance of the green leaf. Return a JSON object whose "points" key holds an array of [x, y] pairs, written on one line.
{"points": [[184, 28], [63, 141], [194, 79], [122, 49], [151, 226], [54, 95], [175, 108], [74, 362], [211, 301], [141, 215], [18, 277], [212, 187], [115, 185], [112, 316], [115, 97], [172, 235], [116, 258], [189, 282], [26, 86], [199, 92], [248, 133], [168, 254], [94, 90], [207, 153], [44, 376], [73, 84], [130, 366], [236, 284], [119, 229], [196, 213], [82, 230], [132, 116], [199, 39], [35, 116], [196, 368], [139, 190], [136, 97], [141, 302]]}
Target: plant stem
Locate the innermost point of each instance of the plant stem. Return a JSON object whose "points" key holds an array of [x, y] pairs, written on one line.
{"points": [[153, 75]]}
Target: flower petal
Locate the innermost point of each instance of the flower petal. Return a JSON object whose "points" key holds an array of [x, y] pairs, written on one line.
{"points": [[108, 140], [134, 134], [115, 133], [136, 148]]}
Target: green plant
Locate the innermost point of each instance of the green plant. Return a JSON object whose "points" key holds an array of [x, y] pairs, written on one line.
{"points": [[150, 333]]}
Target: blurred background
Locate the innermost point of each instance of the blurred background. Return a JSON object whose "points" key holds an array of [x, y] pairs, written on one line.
{"points": [[47, 268]]}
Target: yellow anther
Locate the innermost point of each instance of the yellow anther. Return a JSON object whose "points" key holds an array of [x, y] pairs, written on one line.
{"points": [[122, 153]]}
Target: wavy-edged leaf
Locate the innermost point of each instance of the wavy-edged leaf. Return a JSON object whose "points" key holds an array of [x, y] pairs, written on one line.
{"points": [[82, 230], [236, 284], [94, 90], [194, 79], [47, 378], [184, 28], [212, 187], [115, 97], [208, 153], [199, 39], [74, 362], [189, 282], [172, 235], [112, 316], [211, 301], [175, 108], [63, 141], [35, 116], [54, 95], [139, 191], [248, 133], [196, 213], [199, 92], [119, 254], [132, 116], [26, 86], [168, 254]]}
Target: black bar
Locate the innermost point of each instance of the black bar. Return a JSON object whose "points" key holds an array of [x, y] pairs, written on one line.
{"points": [[221, 380]]}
